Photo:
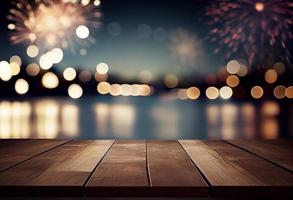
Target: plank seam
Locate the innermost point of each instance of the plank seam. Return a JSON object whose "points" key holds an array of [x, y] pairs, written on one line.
{"points": [[229, 162], [92, 172], [55, 147], [272, 162], [201, 173], [147, 164]]}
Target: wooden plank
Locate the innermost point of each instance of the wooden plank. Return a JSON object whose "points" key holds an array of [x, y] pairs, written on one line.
{"points": [[279, 152], [233, 172], [15, 151], [171, 171], [62, 171], [122, 172]]}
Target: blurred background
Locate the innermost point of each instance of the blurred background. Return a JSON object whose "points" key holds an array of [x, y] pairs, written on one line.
{"points": [[147, 69]]}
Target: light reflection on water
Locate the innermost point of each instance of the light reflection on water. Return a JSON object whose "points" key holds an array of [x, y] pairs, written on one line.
{"points": [[139, 118]]}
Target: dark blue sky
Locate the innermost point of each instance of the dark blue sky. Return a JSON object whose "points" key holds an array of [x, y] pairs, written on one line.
{"points": [[135, 36]]}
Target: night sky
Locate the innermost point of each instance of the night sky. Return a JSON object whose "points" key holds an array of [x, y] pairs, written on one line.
{"points": [[120, 44], [136, 35]]}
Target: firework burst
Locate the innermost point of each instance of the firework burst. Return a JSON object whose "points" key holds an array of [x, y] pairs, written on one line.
{"points": [[252, 27], [53, 23], [185, 48]]}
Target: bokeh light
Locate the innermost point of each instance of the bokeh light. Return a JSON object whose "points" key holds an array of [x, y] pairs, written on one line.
{"points": [[271, 76], [82, 32], [85, 2], [289, 92], [45, 63], [270, 109], [101, 77], [97, 2], [32, 51], [126, 90], [21, 86], [256, 92], [232, 81], [50, 80], [145, 90], [144, 30], [15, 68], [193, 93], [226, 92], [50, 58], [212, 93], [259, 6], [171, 80], [69, 74], [233, 66], [11, 26], [280, 68], [114, 28], [242, 71], [115, 90], [279, 91], [56, 55], [103, 87], [145, 76], [83, 52], [75, 91], [15, 59], [33, 69], [182, 94], [102, 68], [5, 71], [85, 76]]}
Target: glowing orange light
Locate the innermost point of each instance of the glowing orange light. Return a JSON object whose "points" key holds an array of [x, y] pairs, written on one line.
{"points": [[259, 6], [271, 76], [232, 81], [256, 92], [279, 91], [289, 92], [193, 93]]}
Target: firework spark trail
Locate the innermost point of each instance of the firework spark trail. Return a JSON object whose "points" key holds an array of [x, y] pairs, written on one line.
{"points": [[51, 23], [252, 26]]}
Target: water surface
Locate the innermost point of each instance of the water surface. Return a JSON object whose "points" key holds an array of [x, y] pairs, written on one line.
{"points": [[143, 118]]}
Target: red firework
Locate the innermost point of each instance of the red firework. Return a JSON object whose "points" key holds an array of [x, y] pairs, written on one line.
{"points": [[251, 27]]}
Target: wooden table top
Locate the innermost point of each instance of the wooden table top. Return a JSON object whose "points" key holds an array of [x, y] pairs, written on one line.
{"points": [[146, 168]]}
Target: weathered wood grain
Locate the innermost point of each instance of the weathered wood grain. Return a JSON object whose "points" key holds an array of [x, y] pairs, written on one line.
{"points": [[61, 171], [234, 172], [187, 168], [13, 152], [122, 172], [171, 171], [279, 152]]}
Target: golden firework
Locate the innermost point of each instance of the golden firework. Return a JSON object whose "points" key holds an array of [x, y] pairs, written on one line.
{"points": [[52, 23]]}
